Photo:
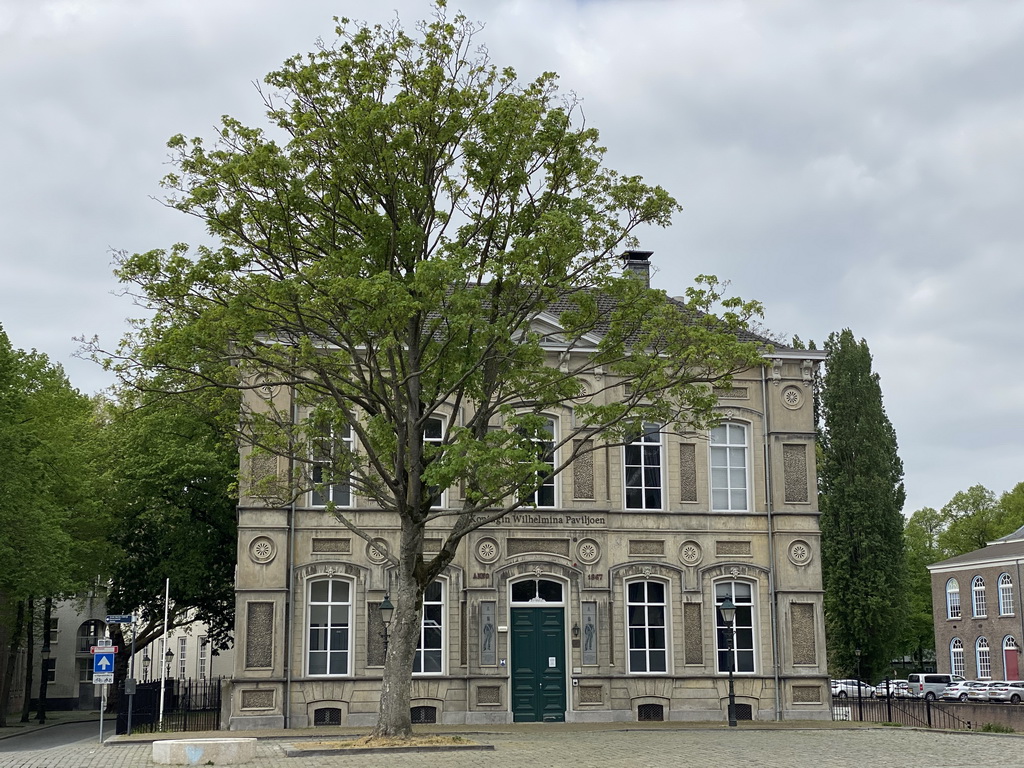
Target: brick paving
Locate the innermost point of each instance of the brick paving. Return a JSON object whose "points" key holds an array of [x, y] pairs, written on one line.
{"points": [[609, 746]]}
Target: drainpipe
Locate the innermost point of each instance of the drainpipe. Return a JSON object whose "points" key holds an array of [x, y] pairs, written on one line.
{"points": [[290, 567], [773, 595]]}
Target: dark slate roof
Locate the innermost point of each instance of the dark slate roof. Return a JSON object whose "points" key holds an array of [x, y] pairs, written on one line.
{"points": [[1001, 549]]}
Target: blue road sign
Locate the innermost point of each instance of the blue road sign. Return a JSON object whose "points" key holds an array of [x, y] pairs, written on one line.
{"points": [[120, 618], [102, 662]]}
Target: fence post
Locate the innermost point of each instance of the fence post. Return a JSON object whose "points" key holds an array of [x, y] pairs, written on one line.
{"points": [[888, 700], [928, 710]]}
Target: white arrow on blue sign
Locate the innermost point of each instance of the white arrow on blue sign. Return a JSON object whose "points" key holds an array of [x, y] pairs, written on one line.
{"points": [[102, 662]]}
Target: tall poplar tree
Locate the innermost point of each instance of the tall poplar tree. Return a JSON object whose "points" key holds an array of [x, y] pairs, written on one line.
{"points": [[861, 500]]}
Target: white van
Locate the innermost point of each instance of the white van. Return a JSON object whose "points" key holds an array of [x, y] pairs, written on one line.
{"points": [[926, 685]]}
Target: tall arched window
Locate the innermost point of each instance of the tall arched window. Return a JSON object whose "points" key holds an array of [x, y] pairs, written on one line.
{"points": [[956, 656], [983, 657], [729, 467], [1005, 595], [978, 596], [952, 599], [329, 627]]}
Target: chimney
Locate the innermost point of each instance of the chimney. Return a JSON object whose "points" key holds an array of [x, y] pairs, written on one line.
{"points": [[638, 263]]}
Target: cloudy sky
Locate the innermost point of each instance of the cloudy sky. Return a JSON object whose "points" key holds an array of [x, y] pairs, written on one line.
{"points": [[850, 164]]}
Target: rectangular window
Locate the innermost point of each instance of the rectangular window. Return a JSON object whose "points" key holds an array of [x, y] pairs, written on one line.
{"points": [[429, 650], [50, 666], [84, 670], [53, 632], [182, 657], [326, 488], [204, 653], [643, 470], [433, 435], [729, 468], [647, 626], [330, 609], [740, 635]]}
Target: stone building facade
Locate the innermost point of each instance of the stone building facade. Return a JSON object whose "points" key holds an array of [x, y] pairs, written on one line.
{"points": [[978, 613], [597, 604]]}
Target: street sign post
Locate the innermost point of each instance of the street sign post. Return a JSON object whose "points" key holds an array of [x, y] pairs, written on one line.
{"points": [[120, 618]]}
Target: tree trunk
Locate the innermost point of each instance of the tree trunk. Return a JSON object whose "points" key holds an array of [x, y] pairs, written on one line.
{"points": [[395, 716], [14, 643], [26, 705], [44, 678]]}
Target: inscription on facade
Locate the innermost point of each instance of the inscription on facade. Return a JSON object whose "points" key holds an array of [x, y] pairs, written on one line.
{"points": [[585, 521]]}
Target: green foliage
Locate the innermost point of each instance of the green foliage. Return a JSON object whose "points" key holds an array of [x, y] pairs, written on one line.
{"points": [[996, 728], [920, 536], [861, 500], [171, 468], [52, 526]]}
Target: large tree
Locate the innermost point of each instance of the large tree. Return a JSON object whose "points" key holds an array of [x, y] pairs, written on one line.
{"points": [[171, 467], [419, 234], [861, 500], [52, 528]]}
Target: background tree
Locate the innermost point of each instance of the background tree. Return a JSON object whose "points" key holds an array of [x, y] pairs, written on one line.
{"points": [[921, 540], [861, 499], [52, 542], [171, 469], [421, 234]]}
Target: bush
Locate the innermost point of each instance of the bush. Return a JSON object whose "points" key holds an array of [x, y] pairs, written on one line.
{"points": [[996, 728]]}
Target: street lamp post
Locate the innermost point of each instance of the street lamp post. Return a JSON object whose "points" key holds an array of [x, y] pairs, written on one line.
{"points": [[860, 684], [728, 611], [387, 610]]}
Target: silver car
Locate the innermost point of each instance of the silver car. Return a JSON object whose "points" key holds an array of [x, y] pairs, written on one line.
{"points": [[1011, 692], [981, 692], [844, 688], [958, 691]]}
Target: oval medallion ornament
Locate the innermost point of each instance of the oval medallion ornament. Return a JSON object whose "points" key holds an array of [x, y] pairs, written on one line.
{"points": [[800, 552], [588, 551], [690, 553], [487, 550], [262, 549]]}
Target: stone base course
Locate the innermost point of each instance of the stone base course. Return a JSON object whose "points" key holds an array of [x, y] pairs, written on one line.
{"points": [[204, 751]]}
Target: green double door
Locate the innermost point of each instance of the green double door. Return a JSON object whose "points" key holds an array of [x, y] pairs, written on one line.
{"points": [[538, 665]]}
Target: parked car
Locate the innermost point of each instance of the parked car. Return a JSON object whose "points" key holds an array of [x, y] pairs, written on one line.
{"points": [[958, 691], [897, 689], [844, 688], [1011, 691], [929, 686], [981, 692]]}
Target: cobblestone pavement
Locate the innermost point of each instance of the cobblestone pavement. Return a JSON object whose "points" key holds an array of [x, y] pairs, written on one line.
{"points": [[615, 747]]}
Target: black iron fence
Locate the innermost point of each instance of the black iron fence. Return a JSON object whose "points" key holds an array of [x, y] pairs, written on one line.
{"points": [[921, 713], [189, 705]]}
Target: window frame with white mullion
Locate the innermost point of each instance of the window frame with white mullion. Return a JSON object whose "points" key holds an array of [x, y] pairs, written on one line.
{"points": [[1006, 607], [954, 608], [430, 648], [338, 494], [329, 627], [643, 470], [957, 658], [744, 656], [439, 500], [983, 658], [182, 658], [545, 496], [647, 626], [729, 466], [979, 605]]}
